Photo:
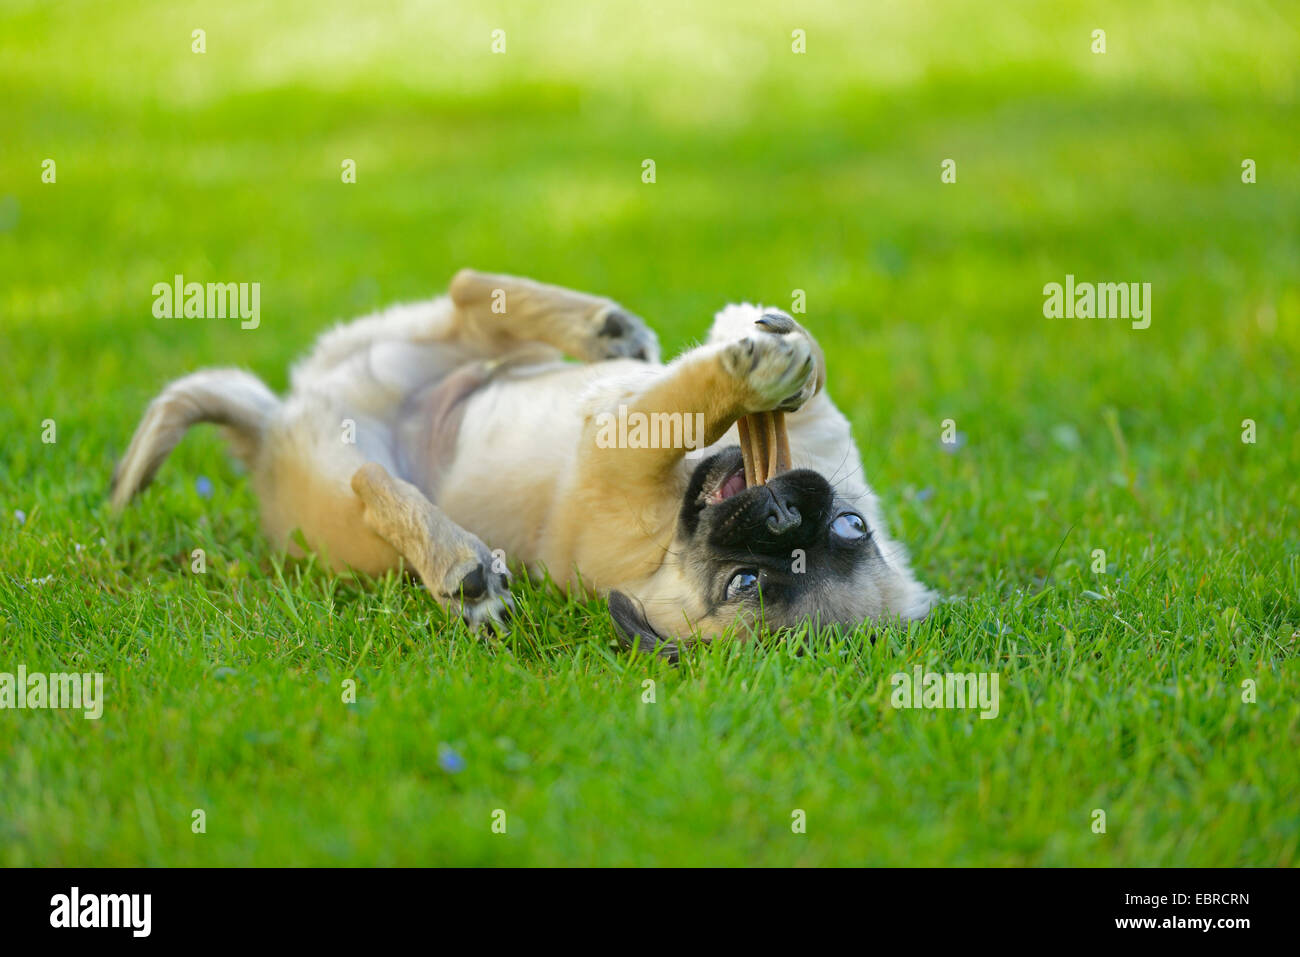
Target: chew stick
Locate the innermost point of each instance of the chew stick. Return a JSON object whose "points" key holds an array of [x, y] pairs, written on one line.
{"points": [[747, 452], [783, 461], [769, 420], [764, 446]]}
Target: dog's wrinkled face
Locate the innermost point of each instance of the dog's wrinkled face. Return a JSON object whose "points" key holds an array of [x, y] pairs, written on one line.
{"points": [[784, 553]]}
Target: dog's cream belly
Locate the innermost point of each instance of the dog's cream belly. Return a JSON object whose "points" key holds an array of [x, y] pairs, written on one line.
{"points": [[514, 459]]}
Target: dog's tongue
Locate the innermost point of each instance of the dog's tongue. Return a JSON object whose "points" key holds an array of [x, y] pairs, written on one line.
{"points": [[764, 445]]}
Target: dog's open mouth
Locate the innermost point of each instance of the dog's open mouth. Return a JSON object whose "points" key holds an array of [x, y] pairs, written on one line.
{"points": [[764, 451], [731, 483]]}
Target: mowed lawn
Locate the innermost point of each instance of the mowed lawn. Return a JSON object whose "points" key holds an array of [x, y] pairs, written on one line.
{"points": [[1163, 690]]}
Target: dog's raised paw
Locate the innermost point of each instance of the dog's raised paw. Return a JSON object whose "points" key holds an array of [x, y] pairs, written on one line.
{"points": [[776, 363]]}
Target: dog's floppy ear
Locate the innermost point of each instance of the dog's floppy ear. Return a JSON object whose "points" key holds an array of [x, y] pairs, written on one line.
{"points": [[634, 631]]}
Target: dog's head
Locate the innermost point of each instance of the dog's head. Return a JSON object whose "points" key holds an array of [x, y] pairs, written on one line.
{"points": [[781, 554]]}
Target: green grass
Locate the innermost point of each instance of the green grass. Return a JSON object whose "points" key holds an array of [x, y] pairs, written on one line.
{"points": [[1121, 691]]}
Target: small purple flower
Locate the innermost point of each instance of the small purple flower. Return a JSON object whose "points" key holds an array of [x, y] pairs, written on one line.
{"points": [[925, 494], [203, 485], [449, 760], [21, 516]]}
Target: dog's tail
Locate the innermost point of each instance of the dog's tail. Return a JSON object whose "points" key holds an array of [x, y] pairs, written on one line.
{"points": [[232, 398]]}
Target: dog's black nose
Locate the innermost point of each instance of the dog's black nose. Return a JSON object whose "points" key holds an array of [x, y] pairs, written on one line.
{"points": [[782, 513]]}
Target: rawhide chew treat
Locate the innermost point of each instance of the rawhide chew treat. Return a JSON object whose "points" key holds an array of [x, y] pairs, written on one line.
{"points": [[764, 445]]}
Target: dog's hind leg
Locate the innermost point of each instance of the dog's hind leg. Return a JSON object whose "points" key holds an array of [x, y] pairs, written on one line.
{"points": [[326, 484], [455, 566], [508, 310], [485, 316]]}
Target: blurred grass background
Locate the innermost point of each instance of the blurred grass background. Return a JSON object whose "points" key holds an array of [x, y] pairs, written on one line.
{"points": [[775, 171]]}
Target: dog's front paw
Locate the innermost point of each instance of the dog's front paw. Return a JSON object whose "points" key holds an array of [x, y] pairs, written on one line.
{"points": [[777, 364], [478, 589], [616, 333]]}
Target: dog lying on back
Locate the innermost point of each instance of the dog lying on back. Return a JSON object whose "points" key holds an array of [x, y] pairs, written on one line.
{"points": [[452, 438]]}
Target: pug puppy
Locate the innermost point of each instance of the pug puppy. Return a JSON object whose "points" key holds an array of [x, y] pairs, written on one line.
{"points": [[452, 438]]}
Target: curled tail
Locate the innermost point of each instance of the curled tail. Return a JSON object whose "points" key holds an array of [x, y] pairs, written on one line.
{"points": [[233, 398]]}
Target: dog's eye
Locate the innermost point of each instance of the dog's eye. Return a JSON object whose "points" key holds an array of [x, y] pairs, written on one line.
{"points": [[849, 526], [742, 583]]}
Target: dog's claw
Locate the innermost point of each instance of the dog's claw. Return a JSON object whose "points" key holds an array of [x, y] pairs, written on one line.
{"points": [[776, 322]]}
